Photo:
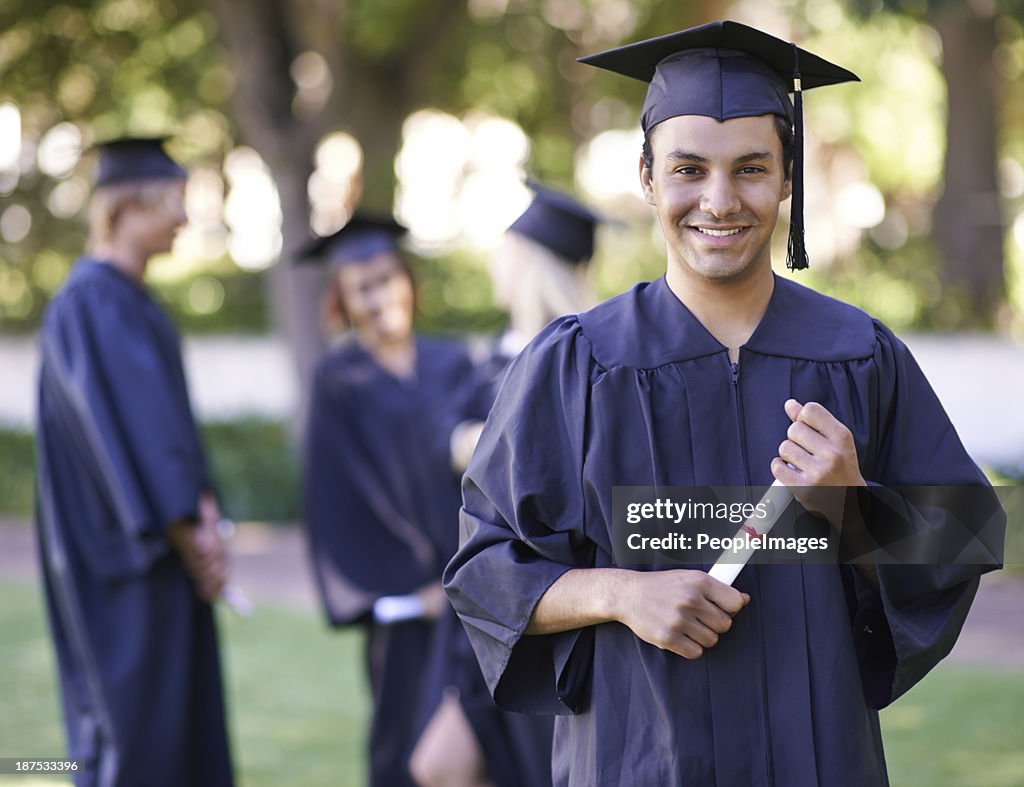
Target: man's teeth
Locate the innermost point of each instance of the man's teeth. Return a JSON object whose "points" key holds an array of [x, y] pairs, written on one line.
{"points": [[719, 233]]}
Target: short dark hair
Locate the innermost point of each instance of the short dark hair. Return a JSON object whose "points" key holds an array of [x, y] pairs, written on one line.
{"points": [[782, 128]]}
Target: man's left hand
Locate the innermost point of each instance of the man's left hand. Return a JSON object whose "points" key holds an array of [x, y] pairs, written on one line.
{"points": [[818, 451]]}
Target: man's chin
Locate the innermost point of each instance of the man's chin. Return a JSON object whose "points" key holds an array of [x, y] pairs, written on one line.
{"points": [[720, 270]]}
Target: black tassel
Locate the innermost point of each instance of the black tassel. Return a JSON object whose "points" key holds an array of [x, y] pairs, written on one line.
{"points": [[796, 256]]}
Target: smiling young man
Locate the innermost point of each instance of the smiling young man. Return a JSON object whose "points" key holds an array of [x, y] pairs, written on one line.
{"points": [[718, 374]]}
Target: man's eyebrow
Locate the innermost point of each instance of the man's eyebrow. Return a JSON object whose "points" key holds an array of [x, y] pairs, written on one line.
{"points": [[761, 155], [685, 155]]}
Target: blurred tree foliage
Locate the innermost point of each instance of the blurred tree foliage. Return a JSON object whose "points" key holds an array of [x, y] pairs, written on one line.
{"points": [[279, 74], [982, 55], [107, 68], [454, 294]]}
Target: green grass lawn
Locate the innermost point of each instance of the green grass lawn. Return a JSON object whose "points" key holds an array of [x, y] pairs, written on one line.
{"points": [[959, 726], [296, 695], [298, 706]]}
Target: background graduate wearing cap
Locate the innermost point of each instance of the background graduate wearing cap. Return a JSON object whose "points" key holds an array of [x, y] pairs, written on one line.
{"points": [[127, 517], [380, 505], [539, 272], [720, 373]]}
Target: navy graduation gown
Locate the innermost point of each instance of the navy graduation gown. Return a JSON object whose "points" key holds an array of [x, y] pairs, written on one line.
{"points": [[119, 458], [637, 392], [516, 746], [381, 508]]}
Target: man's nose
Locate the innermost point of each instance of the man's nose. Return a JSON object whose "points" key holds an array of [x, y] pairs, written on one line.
{"points": [[720, 198]]}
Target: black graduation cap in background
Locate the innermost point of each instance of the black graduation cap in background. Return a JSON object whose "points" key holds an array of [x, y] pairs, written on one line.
{"points": [[364, 236], [728, 70], [135, 158], [559, 223]]}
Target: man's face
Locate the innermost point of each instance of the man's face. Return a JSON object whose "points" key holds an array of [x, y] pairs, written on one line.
{"points": [[717, 188]]}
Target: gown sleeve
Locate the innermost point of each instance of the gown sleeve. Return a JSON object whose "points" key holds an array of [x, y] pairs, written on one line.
{"points": [[466, 398], [522, 525], [123, 381], [927, 487]]}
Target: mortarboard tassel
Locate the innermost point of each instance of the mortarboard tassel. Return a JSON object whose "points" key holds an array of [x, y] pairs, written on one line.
{"points": [[796, 256]]}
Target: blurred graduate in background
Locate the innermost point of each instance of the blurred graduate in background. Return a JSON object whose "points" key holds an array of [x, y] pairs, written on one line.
{"points": [[128, 521], [539, 272], [381, 510]]}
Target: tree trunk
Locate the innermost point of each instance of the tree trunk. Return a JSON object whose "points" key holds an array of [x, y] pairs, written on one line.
{"points": [[258, 36], [294, 290], [967, 222], [370, 97], [378, 104]]}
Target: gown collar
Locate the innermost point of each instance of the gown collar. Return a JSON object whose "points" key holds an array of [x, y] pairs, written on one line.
{"points": [[648, 326]]}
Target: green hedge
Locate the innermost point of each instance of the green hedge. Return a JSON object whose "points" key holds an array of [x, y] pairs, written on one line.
{"points": [[17, 473], [256, 468], [252, 461]]}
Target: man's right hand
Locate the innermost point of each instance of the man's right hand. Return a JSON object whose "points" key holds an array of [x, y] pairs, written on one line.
{"points": [[683, 611]]}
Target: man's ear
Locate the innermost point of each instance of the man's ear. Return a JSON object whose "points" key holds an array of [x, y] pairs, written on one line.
{"points": [[645, 182], [787, 185]]}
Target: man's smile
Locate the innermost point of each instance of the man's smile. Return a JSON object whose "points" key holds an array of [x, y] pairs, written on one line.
{"points": [[719, 233]]}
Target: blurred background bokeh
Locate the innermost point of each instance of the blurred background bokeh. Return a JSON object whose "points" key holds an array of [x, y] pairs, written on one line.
{"points": [[290, 112]]}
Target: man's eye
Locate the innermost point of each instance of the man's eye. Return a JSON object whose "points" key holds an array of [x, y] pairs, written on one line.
{"points": [[751, 170], [687, 171]]}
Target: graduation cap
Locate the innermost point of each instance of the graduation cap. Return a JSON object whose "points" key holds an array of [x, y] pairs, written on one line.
{"points": [[136, 158], [366, 235], [559, 223], [728, 70]]}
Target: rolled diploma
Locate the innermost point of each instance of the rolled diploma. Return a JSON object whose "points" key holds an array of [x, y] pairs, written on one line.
{"points": [[232, 595], [776, 500], [396, 609]]}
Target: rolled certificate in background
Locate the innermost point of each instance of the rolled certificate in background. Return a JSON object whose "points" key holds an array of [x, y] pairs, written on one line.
{"points": [[396, 609], [232, 595], [775, 501]]}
